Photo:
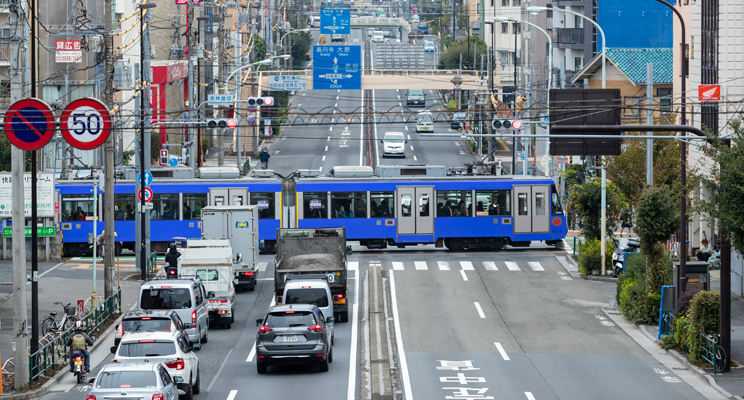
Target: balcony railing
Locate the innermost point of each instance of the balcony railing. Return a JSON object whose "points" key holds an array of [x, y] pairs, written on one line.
{"points": [[568, 35]]}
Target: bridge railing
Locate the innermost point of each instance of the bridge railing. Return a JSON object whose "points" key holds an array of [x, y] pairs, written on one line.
{"points": [[430, 72]]}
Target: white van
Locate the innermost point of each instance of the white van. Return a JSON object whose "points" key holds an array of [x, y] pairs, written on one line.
{"points": [[186, 297], [424, 122], [308, 291], [394, 144], [378, 36]]}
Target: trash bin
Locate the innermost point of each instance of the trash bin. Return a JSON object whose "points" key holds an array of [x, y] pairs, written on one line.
{"points": [[698, 277]]}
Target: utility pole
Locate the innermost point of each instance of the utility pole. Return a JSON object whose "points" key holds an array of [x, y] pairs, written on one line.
{"points": [[222, 63], [34, 67], [650, 121], [192, 87], [20, 306], [145, 123], [108, 213]]}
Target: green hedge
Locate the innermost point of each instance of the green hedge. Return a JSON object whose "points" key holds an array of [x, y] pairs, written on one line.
{"points": [[590, 256], [636, 296], [702, 318]]}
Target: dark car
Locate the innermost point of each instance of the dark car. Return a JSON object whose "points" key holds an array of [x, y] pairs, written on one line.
{"points": [[415, 97], [294, 334], [458, 120], [149, 320]]}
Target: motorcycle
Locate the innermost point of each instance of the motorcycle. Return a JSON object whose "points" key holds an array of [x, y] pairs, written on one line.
{"points": [[79, 361], [633, 245], [171, 273]]}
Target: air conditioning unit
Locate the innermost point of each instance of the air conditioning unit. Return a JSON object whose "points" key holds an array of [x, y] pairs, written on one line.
{"points": [[199, 50], [123, 78]]}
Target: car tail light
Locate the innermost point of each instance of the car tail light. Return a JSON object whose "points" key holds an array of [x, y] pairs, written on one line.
{"points": [[264, 329], [90, 397], [172, 326], [193, 319], [78, 358], [178, 364], [320, 355], [289, 312], [120, 331], [248, 274], [171, 272], [165, 287], [114, 361], [147, 341], [146, 318], [315, 328], [158, 396]]}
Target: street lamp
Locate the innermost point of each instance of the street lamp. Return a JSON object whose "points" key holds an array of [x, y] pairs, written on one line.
{"points": [[537, 9], [292, 31], [145, 97], [457, 81], [550, 84]]}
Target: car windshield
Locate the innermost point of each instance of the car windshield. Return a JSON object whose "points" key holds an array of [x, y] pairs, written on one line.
{"points": [[165, 299], [208, 275], [425, 117], [148, 324], [428, 43], [318, 297], [290, 319], [127, 380], [459, 115], [147, 349], [416, 92], [394, 138]]}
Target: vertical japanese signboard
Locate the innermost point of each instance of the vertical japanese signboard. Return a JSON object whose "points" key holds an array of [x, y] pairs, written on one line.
{"points": [[44, 195], [68, 51]]}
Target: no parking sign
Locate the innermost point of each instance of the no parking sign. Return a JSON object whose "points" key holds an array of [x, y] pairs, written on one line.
{"points": [[29, 124]]}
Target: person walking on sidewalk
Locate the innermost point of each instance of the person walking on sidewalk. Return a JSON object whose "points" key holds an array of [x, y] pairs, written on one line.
{"points": [[627, 219], [264, 158]]}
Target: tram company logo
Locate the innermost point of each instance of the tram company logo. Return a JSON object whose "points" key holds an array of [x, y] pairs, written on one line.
{"points": [[243, 224], [557, 221]]}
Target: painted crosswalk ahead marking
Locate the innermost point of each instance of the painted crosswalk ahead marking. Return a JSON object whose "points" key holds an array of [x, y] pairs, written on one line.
{"points": [[512, 266]]}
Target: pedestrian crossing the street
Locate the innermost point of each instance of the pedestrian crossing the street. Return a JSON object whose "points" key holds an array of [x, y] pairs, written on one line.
{"points": [[529, 266]]}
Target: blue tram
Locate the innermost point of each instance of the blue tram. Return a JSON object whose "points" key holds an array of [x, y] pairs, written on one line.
{"points": [[463, 212]]}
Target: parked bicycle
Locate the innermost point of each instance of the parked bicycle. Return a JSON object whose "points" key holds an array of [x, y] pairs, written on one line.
{"points": [[721, 358], [51, 325]]}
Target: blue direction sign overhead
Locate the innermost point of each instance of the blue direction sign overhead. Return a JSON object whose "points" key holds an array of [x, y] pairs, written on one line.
{"points": [[337, 67], [335, 21], [148, 178]]}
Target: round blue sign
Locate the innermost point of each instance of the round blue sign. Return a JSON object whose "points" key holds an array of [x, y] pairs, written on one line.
{"points": [[173, 162], [29, 124]]}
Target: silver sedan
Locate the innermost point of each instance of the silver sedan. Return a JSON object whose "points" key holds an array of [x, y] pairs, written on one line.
{"points": [[134, 380]]}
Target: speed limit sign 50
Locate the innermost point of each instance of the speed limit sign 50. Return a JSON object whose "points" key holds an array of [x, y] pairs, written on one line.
{"points": [[85, 123]]}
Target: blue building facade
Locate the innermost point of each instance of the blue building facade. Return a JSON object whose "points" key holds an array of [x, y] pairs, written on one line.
{"points": [[635, 24]]}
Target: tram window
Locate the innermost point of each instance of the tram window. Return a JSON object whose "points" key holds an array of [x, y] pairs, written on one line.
{"points": [[164, 206], [349, 204], [265, 203], [193, 204], [315, 205], [540, 203], [405, 204], [454, 203], [124, 207], [382, 204], [424, 205], [523, 203], [556, 208], [77, 207], [492, 202]]}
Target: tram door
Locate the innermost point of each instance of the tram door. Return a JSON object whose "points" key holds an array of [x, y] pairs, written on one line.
{"points": [[228, 196], [415, 211], [531, 213]]}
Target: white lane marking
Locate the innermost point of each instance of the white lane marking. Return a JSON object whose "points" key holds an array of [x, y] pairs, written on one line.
{"points": [[398, 266], [536, 266], [480, 310], [374, 121], [457, 144], [501, 350], [336, 99], [414, 158], [361, 129], [398, 99], [529, 396], [323, 158], [320, 169], [252, 354], [262, 265], [401, 105], [232, 395], [407, 129], [328, 139], [76, 258], [409, 137], [464, 277], [408, 395], [326, 149], [330, 129], [443, 265], [411, 148], [351, 391], [219, 371], [467, 266], [490, 266], [264, 279], [420, 265], [339, 91], [335, 105], [353, 265], [512, 266], [51, 269], [397, 90]]}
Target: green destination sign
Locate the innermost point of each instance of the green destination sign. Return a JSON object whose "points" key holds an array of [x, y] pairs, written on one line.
{"points": [[41, 231]]}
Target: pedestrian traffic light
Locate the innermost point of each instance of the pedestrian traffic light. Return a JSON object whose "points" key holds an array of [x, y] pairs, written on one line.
{"points": [[222, 123], [164, 157], [261, 101], [504, 124]]}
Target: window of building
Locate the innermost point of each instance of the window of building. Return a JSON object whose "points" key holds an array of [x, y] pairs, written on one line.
{"points": [[517, 2], [578, 64], [315, 205], [382, 204], [265, 203], [504, 3], [577, 21], [124, 207], [504, 27], [492, 202], [77, 207], [164, 206], [517, 28], [665, 99], [632, 106], [454, 203], [193, 204], [349, 204]]}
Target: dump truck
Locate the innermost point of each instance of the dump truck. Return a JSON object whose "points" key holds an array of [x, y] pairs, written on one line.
{"points": [[238, 224], [314, 254]]}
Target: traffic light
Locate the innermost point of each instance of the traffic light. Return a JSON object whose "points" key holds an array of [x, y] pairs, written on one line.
{"points": [[164, 157], [221, 123], [504, 124], [267, 101]]}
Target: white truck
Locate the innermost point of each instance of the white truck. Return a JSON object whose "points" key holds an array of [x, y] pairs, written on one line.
{"points": [[212, 261], [238, 224]]}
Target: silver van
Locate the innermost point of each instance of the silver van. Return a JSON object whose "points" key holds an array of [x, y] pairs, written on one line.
{"points": [[186, 297], [394, 144]]}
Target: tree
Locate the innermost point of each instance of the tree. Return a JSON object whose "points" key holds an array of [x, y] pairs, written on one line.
{"points": [[301, 43], [451, 58], [657, 218], [724, 180], [586, 201]]}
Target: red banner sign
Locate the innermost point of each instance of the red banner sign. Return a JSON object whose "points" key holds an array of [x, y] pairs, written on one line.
{"points": [[709, 93]]}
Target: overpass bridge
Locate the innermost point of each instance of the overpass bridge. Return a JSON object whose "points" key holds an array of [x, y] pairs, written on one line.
{"points": [[434, 79]]}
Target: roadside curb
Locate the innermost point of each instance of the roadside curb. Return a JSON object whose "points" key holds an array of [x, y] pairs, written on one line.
{"points": [[706, 377], [599, 278]]}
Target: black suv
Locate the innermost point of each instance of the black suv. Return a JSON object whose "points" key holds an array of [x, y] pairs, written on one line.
{"points": [[415, 97], [149, 320], [294, 334]]}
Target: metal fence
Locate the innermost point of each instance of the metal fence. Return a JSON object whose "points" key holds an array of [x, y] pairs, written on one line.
{"points": [[56, 352], [152, 263], [666, 323], [712, 352]]}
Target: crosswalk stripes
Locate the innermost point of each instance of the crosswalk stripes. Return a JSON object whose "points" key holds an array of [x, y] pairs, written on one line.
{"points": [[397, 265], [535, 266], [420, 265], [512, 266], [262, 265], [490, 266], [443, 265], [467, 266]]}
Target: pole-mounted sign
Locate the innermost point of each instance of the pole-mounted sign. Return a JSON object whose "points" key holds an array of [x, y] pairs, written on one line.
{"points": [[85, 123], [29, 124]]}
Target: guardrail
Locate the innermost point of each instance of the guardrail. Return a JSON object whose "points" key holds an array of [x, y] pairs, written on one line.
{"points": [[56, 352], [430, 72]]}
